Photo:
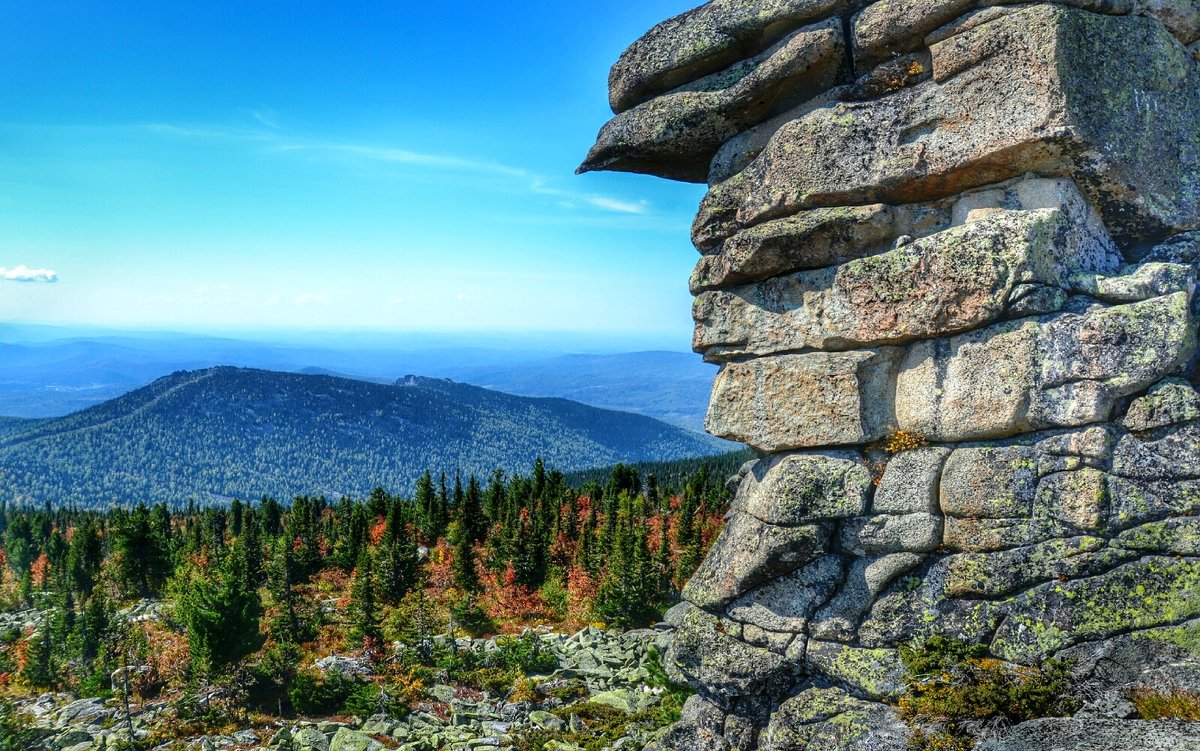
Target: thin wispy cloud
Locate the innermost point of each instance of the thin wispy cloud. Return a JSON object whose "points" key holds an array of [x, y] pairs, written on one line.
{"points": [[23, 273], [570, 199], [404, 156], [617, 205], [280, 142]]}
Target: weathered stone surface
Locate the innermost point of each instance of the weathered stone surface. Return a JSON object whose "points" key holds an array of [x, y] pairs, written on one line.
{"points": [[892, 533], [872, 673], [911, 482], [1134, 502], [866, 578], [989, 482], [1153, 591], [704, 40], [350, 740], [699, 729], [985, 246], [1169, 537], [886, 28], [984, 535], [1079, 498], [954, 281], [803, 488], [748, 553], [829, 719], [999, 574], [1068, 113], [1173, 454], [1168, 403], [1183, 248], [798, 401], [1018, 377], [809, 240], [787, 603], [883, 29], [1066, 734], [1137, 283], [707, 655], [677, 134]]}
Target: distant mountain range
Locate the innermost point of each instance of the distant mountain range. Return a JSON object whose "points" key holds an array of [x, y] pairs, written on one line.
{"points": [[51, 374], [229, 432]]}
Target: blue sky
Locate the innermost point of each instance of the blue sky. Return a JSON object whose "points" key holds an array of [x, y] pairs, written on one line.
{"points": [[220, 166]]}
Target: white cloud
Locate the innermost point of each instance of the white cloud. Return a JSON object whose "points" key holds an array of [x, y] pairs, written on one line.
{"points": [[23, 273]]}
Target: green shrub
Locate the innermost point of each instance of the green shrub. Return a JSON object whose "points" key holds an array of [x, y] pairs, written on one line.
{"points": [[494, 680], [313, 694], [524, 653], [366, 699], [673, 695], [951, 685], [15, 735]]}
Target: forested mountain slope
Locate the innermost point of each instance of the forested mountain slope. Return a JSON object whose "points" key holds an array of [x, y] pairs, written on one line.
{"points": [[228, 432]]}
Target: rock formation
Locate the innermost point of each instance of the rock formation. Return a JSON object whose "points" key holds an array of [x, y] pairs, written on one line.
{"points": [[948, 267]]}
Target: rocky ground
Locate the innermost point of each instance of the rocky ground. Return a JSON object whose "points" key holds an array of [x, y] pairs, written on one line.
{"points": [[602, 695]]}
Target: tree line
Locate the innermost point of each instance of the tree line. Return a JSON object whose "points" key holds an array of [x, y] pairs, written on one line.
{"points": [[266, 587]]}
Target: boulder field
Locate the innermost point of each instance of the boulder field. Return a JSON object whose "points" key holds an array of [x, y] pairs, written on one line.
{"points": [[948, 265]]}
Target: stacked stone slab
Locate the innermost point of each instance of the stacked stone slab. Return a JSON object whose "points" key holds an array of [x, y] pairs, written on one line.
{"points": [[958, 226]]}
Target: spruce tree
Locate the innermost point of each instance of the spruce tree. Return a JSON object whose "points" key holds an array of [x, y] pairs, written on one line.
{"points": [[40, 669], [399, 557], [252, 548], [286, 627], [364, 611], [471, 513], [84, 556], [425, 499], [142, 560], [463, 565], [219, 612]]}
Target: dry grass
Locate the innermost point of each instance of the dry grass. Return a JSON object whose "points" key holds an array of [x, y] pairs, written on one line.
{"points": [[1164, 705]]}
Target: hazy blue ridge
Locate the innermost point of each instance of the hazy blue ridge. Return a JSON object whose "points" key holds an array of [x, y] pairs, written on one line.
{"points": [[60, 376], [228, 432]]}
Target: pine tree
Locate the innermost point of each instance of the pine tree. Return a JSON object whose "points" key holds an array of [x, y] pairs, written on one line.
{"points": [[91, 631], [443, 507], [143, 564], [465, 576], [236, 517], [251, 540], [378, 502], [286, 627], [399, 557], [40, 669], [303, 533], [84, 556], [627, 590], [219, 612], [425, 499], [471, 512], [364, 611]]}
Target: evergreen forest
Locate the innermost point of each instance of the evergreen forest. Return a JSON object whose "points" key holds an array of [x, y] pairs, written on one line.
{"points": [[223, 611]]}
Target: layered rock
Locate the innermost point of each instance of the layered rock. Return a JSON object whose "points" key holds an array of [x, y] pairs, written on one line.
{"points": [[948, 267]]}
